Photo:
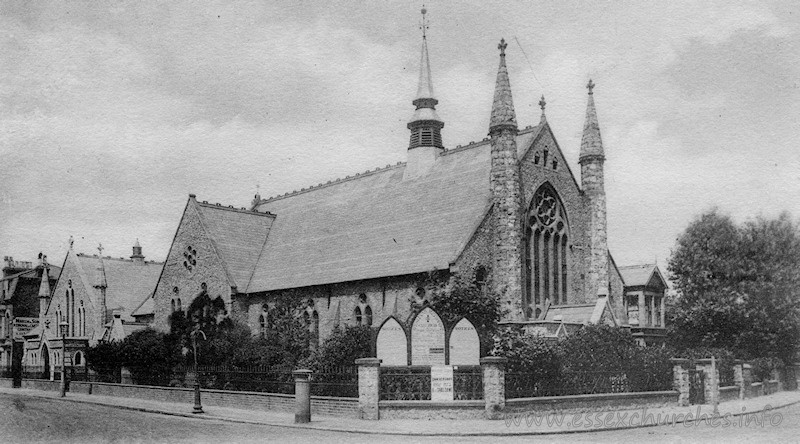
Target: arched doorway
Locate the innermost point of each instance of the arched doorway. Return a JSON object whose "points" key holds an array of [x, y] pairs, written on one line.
{"points": [[46, 362]]}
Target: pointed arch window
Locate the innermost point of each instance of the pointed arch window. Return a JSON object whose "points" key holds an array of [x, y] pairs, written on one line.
{"points": [[262, 326], [546, 252]]}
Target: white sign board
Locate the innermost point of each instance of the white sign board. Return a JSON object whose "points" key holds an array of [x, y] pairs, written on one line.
{"points": [[465, 346], [392, 345], [427, 339], [442, 383]]}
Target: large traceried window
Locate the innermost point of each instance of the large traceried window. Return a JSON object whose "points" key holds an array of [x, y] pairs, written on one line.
{"points": [[546, 252]]}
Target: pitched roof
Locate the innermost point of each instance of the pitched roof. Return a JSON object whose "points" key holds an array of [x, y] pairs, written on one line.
{"points": [[376, 224], [128, 282], [147, 307], [577, 314], [239, 237], [640, 275]]}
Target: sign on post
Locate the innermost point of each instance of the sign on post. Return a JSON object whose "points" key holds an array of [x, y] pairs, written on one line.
{"points": [[442, 383]]}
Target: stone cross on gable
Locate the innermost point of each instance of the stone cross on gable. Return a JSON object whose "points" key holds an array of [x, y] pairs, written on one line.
{"points": [[542, 103], [502, 47], [590, 86]]}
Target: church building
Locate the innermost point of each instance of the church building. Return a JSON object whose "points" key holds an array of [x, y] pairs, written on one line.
{"points": [[95, 298], [506, 212]]}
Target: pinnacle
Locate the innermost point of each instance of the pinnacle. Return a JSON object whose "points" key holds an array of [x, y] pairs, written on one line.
{"points": [[503, 114], [591, 142]]}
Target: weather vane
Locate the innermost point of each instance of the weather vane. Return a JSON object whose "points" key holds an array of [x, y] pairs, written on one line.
{"points": [[424, 24]]}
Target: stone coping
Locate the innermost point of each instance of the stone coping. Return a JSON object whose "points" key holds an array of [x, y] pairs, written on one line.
{"points": [[431, 404], [591, 397], [205, 390]]}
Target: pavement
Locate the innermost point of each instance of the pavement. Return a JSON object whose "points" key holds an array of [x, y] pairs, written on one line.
{"points": [[741, 411]]}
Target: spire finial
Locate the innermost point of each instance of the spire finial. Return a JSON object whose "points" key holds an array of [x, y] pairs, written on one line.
{"points": [[590, 86], [424, 23], [502, 47]]}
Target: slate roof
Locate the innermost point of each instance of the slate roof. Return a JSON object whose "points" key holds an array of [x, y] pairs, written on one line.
{"points": [[239, 237], [640, 275], [129, 283], [147, 307], [578, 314], [376, 224]]}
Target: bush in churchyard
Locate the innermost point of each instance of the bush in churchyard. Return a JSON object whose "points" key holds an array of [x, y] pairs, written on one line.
{"points": [[105, 358], [150, 356]]}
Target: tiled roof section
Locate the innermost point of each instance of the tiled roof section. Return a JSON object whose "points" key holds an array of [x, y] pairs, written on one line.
{"points": [[147, 307], [578, 314], [503, 105], [591, 142], [128, 282], [239, 236], [376, 224], [640, 275]]}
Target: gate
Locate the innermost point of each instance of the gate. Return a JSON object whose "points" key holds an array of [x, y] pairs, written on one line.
{"points": [[697, 387]]}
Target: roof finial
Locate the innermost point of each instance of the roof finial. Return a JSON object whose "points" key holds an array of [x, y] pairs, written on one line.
{"points": [[542, 104], [424, 24], [502, 47], [71, 241], [100, 249], [590, 86]]}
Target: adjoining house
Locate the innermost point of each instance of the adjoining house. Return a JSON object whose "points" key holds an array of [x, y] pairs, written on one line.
{"points": [[95, 298], [506, 212], [19, 303]]}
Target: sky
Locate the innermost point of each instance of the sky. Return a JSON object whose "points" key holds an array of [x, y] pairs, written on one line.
{"points": [[112, 113]]}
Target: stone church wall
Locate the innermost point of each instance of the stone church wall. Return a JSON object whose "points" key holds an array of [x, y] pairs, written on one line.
{"points": [[478, 252], [207, 269], [381, 295], [533, 176]]}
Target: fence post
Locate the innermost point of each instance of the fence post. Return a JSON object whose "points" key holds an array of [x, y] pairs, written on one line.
{"points": [[710, 379], [747, 380], [680, 380], [494, 386], [302, 396], [738, 379], [125, 376], [369, 387], [777, 375]]}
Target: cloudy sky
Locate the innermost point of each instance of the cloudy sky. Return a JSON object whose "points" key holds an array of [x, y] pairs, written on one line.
{"points": [[111, 113]]}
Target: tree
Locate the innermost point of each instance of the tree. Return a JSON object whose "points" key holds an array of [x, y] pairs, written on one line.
{"points": [[738, 286], [150, 356]]}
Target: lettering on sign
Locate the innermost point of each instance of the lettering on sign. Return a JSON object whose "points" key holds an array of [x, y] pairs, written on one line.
{"points": [[465, 346], [442, 383], [391, 346], [427, 339]]}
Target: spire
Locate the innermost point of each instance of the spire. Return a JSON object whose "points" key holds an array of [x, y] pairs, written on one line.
{"points": [[44, 286], [101, 270], [542, 104], [591, 143], [503, 115], [425, 125]]}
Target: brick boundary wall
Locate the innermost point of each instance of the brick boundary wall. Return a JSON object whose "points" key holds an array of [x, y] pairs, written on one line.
{"points": [[320, 405], [728, 393], [590, 403], [41, 384], [432, 410]]}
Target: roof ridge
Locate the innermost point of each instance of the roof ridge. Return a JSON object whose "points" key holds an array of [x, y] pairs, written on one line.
{"points": [[330, 183], [243, 210], [638, 266], [118, 259], [457, 149]]}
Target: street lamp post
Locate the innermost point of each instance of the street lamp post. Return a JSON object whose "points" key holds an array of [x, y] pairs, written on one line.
{"points": [[198, 408], [63, 327]]}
